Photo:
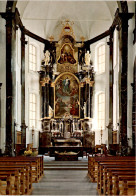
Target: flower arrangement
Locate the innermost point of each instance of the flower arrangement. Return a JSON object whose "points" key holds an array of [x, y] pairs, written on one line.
{"points": [[28, 153]]}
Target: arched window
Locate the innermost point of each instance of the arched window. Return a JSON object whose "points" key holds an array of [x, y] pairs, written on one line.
{"points": [[101, 110], [32, 57], [101, 58], [32, 110]]}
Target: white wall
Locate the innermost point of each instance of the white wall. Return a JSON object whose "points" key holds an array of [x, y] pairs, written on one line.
{"points": [[102, 80], [31, 81], [101, 85], [32, 86], [116, 119], [18, 80]]}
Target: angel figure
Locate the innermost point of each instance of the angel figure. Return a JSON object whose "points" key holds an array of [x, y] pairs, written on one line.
{"points": [[47, 57]]}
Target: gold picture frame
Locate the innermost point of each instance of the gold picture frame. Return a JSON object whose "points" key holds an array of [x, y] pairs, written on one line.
{"points": [[67, 96]]}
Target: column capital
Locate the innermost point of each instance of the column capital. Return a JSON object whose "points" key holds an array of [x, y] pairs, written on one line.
{"points": [[46, 118], [110, 42], [81, 84], [45, 81], [120, 19], [91, 83], [23, 126], [52, 84]]}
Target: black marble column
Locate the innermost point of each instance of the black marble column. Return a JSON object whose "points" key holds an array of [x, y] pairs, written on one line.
{"points": [[42, 76], [89, 103], [10, 35], [134, 111], [42, 105], [8, 86], [46, 100], [91, 95], [124, 17], [51, 97], [124, 79], [23, 125], [87, 100], [81, 102]]}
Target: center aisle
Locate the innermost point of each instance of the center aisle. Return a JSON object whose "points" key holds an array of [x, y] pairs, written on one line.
{"points": [[64, 182]]}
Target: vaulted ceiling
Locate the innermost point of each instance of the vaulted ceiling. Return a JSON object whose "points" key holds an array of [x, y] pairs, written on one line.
{"points": [[45, 17]]}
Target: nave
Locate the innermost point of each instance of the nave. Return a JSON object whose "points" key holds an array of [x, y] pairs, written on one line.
{"points": [[93, 175], [65, 178]]}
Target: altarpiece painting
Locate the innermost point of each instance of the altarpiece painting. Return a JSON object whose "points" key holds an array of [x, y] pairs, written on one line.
{"points": [[67, 96]]}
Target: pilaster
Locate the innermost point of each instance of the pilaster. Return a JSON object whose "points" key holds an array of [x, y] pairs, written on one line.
{"points": [[123, 31], [89, 89], [10, 63]]}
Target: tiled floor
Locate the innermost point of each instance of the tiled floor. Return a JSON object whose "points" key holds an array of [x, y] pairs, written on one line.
{"points": [[65, 182]]}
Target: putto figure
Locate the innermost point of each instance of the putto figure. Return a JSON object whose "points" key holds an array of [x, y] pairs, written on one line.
{"points": [[87, 58], [47, 57]]}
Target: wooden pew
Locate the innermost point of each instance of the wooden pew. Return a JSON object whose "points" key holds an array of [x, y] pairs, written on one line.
{"points": [[105, 167], [124, 180], [30, 169], [37, 164], [108, 186], [25, 173], [35, 175], [93, 164], [6, 178], [130, 189], [9, 183]]}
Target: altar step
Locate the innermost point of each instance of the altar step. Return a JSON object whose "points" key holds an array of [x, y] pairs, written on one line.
{"points": [[65, 165], [65, 168]]}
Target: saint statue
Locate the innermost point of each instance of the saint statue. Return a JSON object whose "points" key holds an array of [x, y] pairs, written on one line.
{"points": [[47, 57], [84, 109], [87, 58]]}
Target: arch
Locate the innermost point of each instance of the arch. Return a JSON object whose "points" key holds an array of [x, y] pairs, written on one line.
{"points": [[65, 74]]}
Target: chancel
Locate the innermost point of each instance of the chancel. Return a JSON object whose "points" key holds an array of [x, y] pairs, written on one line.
{"points": [[67, 97]]}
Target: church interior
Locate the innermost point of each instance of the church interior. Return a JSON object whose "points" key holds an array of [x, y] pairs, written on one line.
{"points": [[67, 97]]}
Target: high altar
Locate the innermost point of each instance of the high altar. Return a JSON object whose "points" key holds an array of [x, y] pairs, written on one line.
{"points": [[66, 79]]}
